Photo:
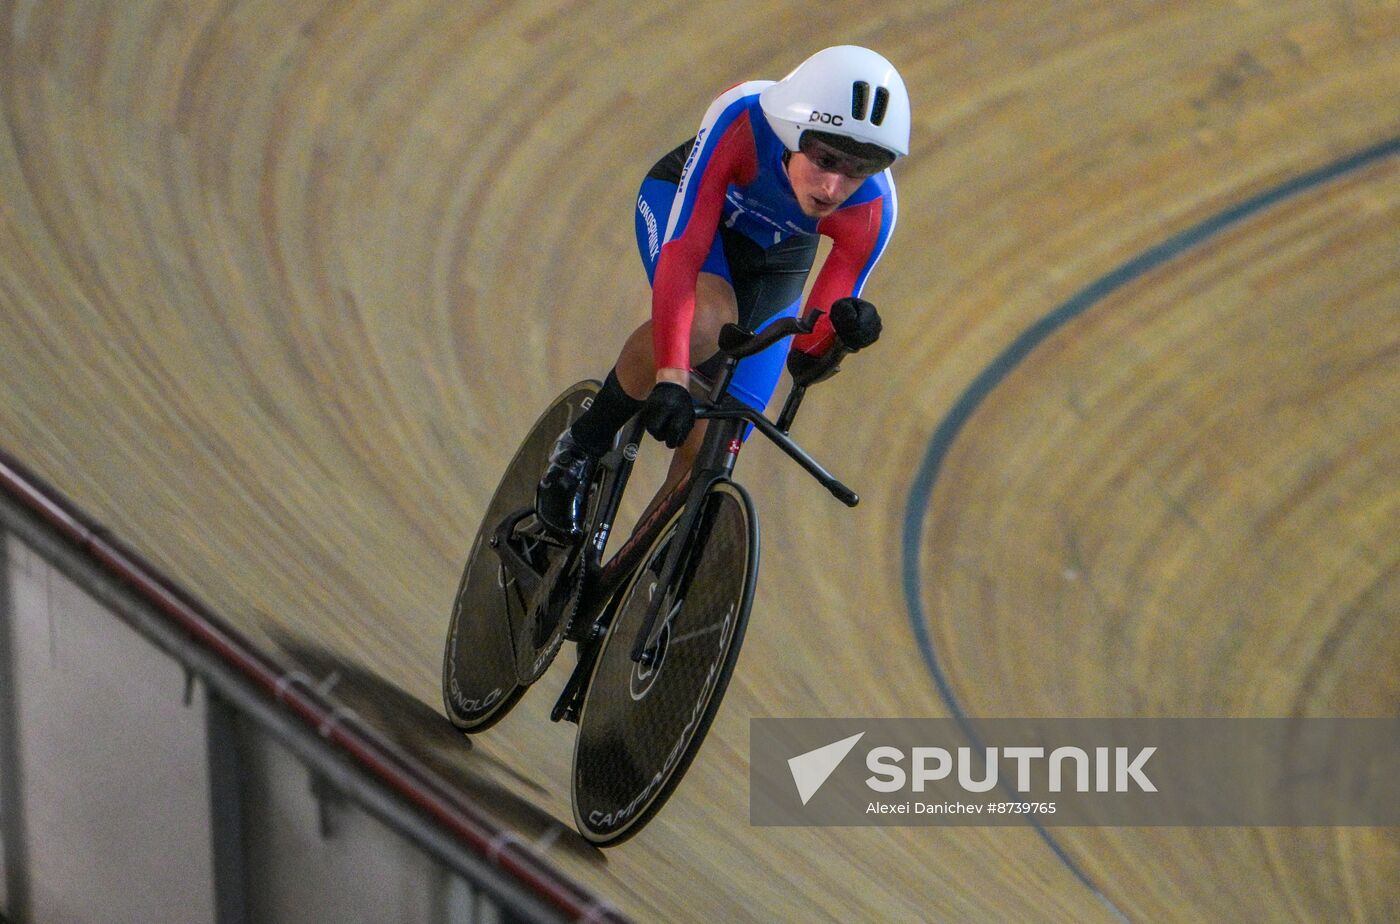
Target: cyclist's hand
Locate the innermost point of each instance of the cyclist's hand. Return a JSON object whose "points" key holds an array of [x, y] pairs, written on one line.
{"points": [[669, 414], [856, 322]]}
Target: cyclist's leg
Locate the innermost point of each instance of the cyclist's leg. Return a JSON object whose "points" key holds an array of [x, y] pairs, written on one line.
{"points": [[753, 383], [715, 306], [757, 376], [635, 369], [561, 496], [763, 285]]}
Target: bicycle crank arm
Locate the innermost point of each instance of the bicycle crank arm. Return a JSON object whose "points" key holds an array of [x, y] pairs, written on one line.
{"points": [[521, 572], [784, 442], [570, 701]]}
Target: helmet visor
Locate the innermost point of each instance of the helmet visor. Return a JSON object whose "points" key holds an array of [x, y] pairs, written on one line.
{"points": [[838, 154]]}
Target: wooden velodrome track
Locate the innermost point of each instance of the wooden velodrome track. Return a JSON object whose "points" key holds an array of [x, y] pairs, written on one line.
{"points": [[282, 281]]}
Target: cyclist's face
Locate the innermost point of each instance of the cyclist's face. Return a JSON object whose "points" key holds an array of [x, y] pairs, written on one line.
{"points": [[820, 182]]}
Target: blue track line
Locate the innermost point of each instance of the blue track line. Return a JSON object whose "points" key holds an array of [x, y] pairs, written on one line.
{"points": [[921, 494]]}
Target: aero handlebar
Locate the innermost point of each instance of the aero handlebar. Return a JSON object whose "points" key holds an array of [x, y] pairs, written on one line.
{"points": [[738, 343]]}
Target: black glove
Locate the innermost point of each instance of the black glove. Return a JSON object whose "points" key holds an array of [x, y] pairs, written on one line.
{"points": [[669, 414], [856, 322]]}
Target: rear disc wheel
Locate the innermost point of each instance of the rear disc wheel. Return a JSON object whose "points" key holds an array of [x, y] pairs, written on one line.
{"points": [[480, 682]]}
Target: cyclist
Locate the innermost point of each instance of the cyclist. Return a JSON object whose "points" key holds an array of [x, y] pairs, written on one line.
{"points": [[728, 225]]}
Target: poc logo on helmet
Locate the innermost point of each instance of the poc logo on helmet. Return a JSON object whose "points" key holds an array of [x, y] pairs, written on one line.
{"points": [[825, 118]]}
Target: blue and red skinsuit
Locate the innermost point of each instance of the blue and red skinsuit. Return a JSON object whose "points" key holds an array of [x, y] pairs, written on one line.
{"points": [[735, 176]]}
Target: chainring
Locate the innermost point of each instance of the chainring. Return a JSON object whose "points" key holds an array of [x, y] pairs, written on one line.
{"points": [[540, 625], [565, 602], [536, 636]]}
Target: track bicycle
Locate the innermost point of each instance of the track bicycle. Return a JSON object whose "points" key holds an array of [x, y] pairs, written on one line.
{"points": [[658, 625]]}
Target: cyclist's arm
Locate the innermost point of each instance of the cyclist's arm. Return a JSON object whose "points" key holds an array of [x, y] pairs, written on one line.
{"points": [[859, 234], [724, 153]]}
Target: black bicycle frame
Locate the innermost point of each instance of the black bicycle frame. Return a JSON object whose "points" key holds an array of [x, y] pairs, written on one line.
{"points": [[714, 463]]}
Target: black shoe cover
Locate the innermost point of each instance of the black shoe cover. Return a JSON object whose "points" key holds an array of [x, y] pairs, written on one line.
{"points": [[561, 498]]}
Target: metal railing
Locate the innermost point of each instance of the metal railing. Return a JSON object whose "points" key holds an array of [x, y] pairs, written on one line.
{"points": [[354, 759]]}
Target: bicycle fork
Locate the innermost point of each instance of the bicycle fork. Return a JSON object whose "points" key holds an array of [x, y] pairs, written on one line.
{"points": [[603, 587]]}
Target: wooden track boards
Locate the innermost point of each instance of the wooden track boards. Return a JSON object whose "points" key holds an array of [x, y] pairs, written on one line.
{"points": [[281, 281]]}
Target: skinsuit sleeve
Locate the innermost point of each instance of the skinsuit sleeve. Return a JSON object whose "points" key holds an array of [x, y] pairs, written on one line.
{"points": [[859, 233], [724, 153]]}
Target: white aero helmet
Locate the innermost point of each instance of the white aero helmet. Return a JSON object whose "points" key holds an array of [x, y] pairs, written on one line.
{"points": [[843, 90]]}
